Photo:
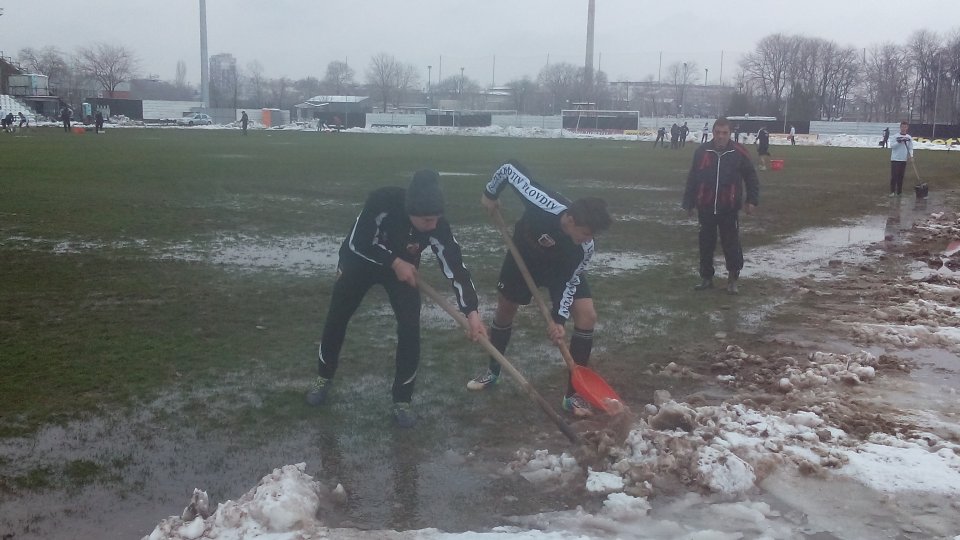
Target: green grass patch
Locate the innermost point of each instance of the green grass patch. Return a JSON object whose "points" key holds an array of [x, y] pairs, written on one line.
{"points": [[100, 308]]}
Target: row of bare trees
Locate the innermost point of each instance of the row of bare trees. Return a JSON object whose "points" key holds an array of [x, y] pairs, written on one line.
{"points": [[785, 75], [813, 78]]}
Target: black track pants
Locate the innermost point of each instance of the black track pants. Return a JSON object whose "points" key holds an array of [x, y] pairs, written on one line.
{"points": [[897, 169], [728, 227], [348, 292]]}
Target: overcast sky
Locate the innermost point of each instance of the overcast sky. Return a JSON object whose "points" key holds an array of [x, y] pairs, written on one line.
{"points": [[494, 41]]}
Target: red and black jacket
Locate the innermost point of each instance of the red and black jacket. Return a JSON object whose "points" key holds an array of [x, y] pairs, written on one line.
{"points": [[717, 178]]}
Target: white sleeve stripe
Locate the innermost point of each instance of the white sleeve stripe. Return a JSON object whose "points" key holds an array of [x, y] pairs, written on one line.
{"points": [[526, 189], [566, 300], [353, 234], [439, 249]]}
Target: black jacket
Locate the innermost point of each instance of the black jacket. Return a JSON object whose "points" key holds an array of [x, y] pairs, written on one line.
{"points": [[383, 233], [717, 178], [539, 236]]}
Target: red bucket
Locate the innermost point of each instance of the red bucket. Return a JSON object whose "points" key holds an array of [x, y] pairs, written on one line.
{"points": [[776, 164]]}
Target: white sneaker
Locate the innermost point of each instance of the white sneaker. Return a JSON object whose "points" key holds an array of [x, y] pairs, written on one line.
{"points": [[482, 382]]}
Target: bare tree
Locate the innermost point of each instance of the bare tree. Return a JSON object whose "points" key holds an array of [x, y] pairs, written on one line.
{"points": [[681, 75], [560, 81], [951, 70], [307, 88], [769, 67], [257, 81], [339, 78], [48, 61], [521, 90], [886, 81], [382, 77], [923, 52], [108, 65], [280, 89], [181, 77], [406, 79], [224, 80]]}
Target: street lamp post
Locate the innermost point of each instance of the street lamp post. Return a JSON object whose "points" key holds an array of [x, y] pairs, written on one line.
{"points": [[683, 88], [706, 71]]}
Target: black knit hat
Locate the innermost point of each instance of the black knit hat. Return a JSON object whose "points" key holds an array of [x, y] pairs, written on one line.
{"points": [[423, 196]]}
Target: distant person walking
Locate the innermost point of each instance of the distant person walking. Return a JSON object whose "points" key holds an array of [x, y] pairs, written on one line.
{"points": [[900, 153], [674, 136], [763, 148], [684, 131], [65, 115], [793, 135], [705, 132], [23, 121], [98, 122], [244, 120], [886, 137], [720, 178]]}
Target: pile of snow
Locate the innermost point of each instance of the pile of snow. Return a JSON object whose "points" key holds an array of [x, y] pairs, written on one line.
{"points": [[285, 504]]}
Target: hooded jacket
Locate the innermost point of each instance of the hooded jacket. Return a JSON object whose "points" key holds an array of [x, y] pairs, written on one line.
{"points": [[717, 178]]}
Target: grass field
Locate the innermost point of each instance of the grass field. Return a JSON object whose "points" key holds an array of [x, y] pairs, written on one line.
{"points": [[114, 291]]}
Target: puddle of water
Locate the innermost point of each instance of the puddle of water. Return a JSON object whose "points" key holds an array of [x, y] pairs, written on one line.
{"points": [[809, 252], [302, 255]]}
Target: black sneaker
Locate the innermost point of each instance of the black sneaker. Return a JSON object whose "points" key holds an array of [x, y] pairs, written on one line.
{"points": [[403, 415], [317, 394], [482, 382], [704, 285]]}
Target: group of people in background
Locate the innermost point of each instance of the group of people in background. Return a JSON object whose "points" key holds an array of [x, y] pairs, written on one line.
{"points": [[7, 121], [678, 136]]}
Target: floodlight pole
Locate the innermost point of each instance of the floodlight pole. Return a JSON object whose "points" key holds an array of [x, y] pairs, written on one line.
{"points": [[204, 67]]}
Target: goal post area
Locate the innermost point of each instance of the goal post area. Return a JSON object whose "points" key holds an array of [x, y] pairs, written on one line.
{"points": [[601, 122]]}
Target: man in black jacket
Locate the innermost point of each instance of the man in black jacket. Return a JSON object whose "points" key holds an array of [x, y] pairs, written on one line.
{"points": [[715, 188], [383, 248], [555, 238]]}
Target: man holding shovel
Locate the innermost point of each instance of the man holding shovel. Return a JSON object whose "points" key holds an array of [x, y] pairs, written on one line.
{"points": [[555, 239], [383, 248]]}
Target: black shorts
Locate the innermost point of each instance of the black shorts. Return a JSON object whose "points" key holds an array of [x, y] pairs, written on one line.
{"points": [[512, 285], [763, 151]]}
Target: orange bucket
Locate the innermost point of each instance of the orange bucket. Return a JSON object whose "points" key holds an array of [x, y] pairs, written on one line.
{"points": [[776, 164], [78, 130]]}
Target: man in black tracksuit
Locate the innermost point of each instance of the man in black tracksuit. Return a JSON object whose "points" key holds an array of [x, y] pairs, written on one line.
{"points": [[715, 187], [555, 239], [384, 248]]}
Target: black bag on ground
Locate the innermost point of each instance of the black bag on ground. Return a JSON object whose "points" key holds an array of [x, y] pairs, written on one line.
{"points": [[921, 190]]}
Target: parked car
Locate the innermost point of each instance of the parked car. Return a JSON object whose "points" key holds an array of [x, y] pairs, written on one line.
{"points": [[195, 119]]}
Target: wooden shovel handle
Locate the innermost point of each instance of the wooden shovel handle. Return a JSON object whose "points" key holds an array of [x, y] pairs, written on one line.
{"points": [[502, 360], [538, 298]]}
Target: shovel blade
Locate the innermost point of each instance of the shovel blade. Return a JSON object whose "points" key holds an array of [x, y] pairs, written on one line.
{"points": [[596, 390]]}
